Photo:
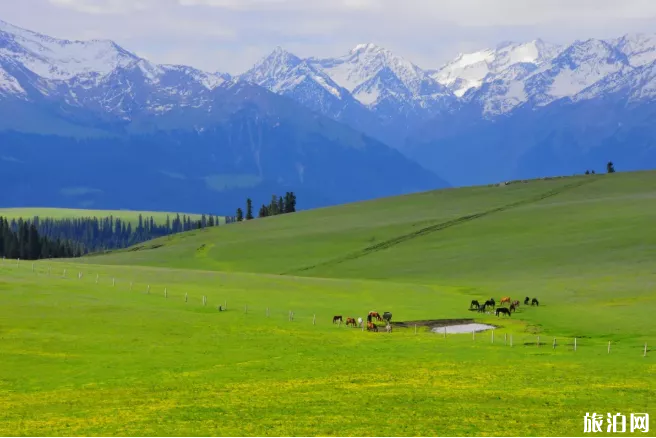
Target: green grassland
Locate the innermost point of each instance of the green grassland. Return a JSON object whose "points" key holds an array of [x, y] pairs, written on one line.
{"points": [[71, 213], [81, 357]]}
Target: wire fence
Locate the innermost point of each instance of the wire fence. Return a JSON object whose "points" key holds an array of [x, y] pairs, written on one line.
{"points": [[494, 336]]}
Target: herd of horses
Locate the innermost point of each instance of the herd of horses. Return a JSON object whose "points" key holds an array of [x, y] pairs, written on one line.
{"points": [[371, 326], [475, 305]]}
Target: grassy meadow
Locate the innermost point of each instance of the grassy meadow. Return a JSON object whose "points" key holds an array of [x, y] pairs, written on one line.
{"points": [[130, 349]]}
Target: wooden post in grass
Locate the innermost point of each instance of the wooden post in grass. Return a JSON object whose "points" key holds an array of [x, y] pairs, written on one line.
{"points": [[511, 339], [225, 305], [415, 329], [130, 285], [538, 340], [645, 354], [97, 278], [186, 297], [148, 289], [166, 295], [314, 319], [473, 335], [505, 339], [32, 267], [493, 336], [574, 344], [64, 272], [554, 344], [608, 347], [113, 282], [18, 261], [245, 309], [444, 332], [204, 300]]}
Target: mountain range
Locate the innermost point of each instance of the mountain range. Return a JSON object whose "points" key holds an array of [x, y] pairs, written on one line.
{"points": [[88, 123]]}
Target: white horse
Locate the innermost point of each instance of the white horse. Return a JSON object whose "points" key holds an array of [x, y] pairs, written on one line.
{"points": [[359, 322], [388, 328]]}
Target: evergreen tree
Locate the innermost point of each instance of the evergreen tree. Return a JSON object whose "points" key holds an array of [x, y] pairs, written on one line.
{"points": [[273, 206], [610, 167], [281, 205], [264, 211], [210, 221], [249, 209], [240, 215]]}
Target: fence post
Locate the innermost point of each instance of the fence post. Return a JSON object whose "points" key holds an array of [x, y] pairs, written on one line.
{"points": [[130, 285], [18, 261], [204, 300], [554, 343], [32, 267], [538, 340], [608, 347], [574, 344], [245, 309], [505, 339], [165, 293], [64, 272], [444, 332], [511, 339], [113, 282], [225, 305], [186, 297], [415, 329], [97, 278], [314, 319], [79, 276], [645, 354], [148, 289], [493, 336], [473, 335]]}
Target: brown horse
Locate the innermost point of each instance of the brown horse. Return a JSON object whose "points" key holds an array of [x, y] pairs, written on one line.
{"points": [[337, 318], [516, 303], [505, 300], [375, 315], [372, 327], [351, 321], [512, 308]]}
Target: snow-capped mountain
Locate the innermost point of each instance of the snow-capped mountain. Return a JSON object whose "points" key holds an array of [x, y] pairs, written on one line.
{"points": [[524, 99], [373, 74], [75, 114], [471, 70]]}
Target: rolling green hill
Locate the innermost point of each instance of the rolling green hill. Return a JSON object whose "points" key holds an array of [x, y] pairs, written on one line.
{"points": [[129, 348]]}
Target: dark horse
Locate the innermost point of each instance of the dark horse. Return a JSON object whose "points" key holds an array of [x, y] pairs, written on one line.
{"points": [[535, 302], [503, 310], [481, 308], [337, 318], [526, 300], [490, 303], [387, 316], [372, 327], [474, 304], [512, 308]]}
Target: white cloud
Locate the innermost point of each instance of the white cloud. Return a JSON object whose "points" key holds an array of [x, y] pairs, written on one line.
{"points": [[230, 35]]}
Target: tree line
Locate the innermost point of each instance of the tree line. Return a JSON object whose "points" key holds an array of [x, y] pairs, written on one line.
{"points": [[22, 240], [92, 234], [278, 205]]}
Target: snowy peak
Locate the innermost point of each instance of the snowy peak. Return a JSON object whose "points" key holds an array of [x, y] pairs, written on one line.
{"points": [[272, 68], [470, 70], [59, 59], [639, 48], [371, 72]]}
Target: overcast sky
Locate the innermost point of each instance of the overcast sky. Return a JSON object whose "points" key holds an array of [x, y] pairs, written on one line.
{"points": [[231, 35]]}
